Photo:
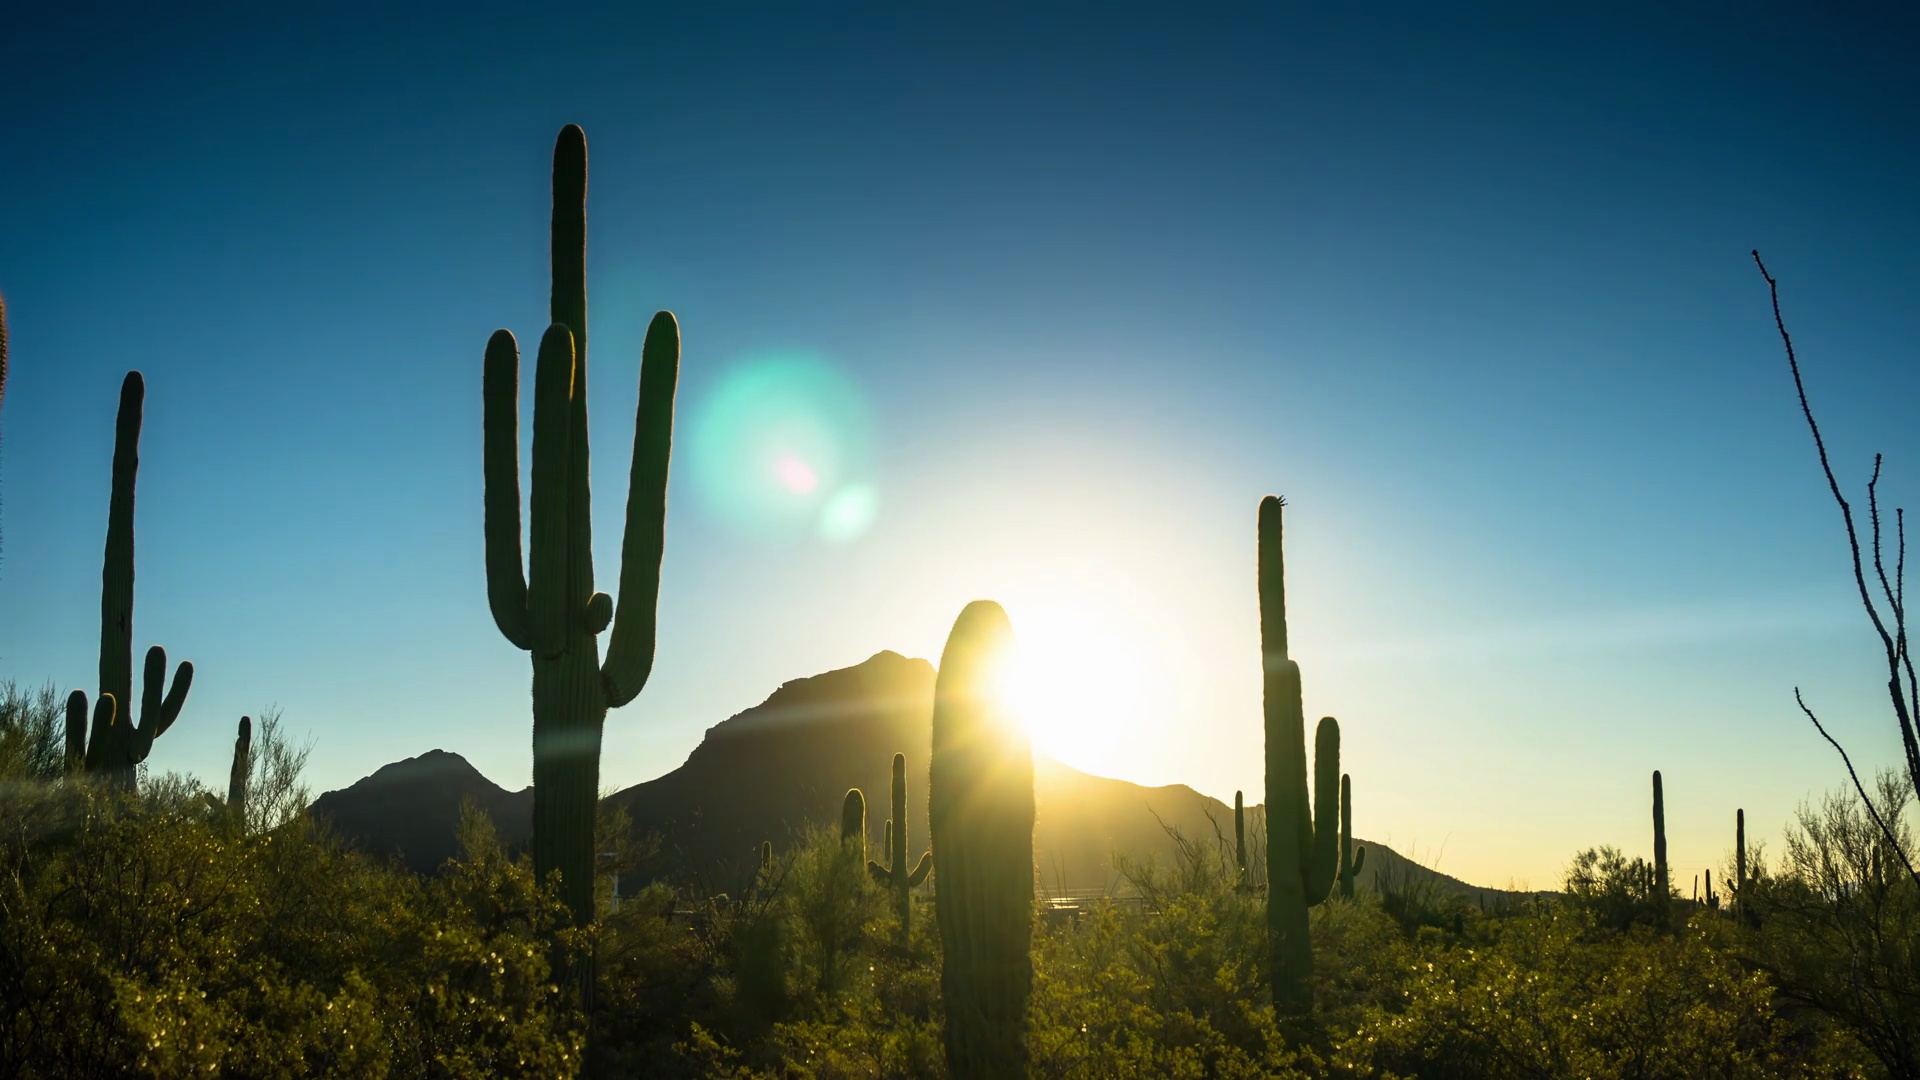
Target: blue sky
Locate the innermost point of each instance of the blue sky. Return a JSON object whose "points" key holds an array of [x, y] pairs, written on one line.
{"points": [[1471, 290]]}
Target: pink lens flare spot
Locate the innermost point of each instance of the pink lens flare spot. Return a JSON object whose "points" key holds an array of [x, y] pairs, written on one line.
{"points": [[795, 475]]}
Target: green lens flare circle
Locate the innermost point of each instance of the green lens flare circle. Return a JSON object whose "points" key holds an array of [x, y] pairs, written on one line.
{"points": [[782, 448]]}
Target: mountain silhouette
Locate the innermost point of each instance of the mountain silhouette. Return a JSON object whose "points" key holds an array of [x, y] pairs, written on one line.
{"points": [[767, 772]]}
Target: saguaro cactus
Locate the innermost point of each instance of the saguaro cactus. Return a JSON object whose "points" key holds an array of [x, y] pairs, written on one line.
{"points": [[1302, 847], [551, 609], [118, 743], [895, 874], [1240, 838], [1739, 863], [853, 818], [1351, 859], [981, 809], [237, 775], [3, 351], [1660, 889]]}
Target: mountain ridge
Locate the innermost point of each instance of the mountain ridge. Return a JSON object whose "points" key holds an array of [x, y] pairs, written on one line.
{"points": [[771, 770]]}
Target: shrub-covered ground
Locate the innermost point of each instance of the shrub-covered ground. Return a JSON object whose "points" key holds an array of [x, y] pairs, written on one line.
{"points": [[152, 935]]}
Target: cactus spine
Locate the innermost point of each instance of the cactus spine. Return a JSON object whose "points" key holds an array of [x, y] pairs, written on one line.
{"points": [[895, 874], [1351, 859], [117, 744], [1660, 889], [551, 609], [1302, 849], [981, 811], [853, 818]]}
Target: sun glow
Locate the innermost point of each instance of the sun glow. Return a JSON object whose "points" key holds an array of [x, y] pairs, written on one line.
{"points": [[1081, 679]]}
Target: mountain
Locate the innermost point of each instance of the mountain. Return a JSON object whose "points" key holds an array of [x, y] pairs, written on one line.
{"points": [[767, 772], [412, 807]]}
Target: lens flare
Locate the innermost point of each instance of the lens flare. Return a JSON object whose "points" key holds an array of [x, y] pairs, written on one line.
{"points": [[782, 447]]}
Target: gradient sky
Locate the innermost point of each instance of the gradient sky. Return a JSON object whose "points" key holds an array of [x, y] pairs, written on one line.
{"points": [[1075, 291]]}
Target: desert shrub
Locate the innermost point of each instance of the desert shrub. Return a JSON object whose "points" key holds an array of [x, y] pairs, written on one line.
{"points": [[32, 733], [1616, 892], [138, 937], [1553, 997], [1838, 928]]}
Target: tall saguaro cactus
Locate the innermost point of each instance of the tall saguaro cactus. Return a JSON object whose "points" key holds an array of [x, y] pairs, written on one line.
{"points": [[1660, 889], [980, 807], [1351, 860], [551, 609], [1739, 863], [1302, 845], [238, 774], [1240, 839], [895, 874], [3, 352], [118, 743]]}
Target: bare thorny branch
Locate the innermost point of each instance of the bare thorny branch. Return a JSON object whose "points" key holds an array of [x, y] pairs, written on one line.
{"points": [[1903, 690]]}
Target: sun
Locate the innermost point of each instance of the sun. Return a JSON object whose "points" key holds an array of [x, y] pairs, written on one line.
{"points": [[1081, 678]]}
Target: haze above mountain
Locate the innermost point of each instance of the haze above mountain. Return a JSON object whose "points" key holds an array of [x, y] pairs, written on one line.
{"points": [[769, 771]]}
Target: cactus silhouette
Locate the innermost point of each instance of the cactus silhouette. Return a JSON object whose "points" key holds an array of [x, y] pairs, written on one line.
{"points": [[1302, 845], [980, 808], [3, 352], [1713, 902], [1739, 863], [853, 818], [1240, 838], [551, 610], [1351, 859], [103, 717], [237, 775], [895, 874], [117, 744], [1660, 885]]}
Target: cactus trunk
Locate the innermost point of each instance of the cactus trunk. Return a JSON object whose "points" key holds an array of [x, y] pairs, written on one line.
{"points": [[1302, 849], [550, 608], [1661, 892], [237, 776], [981, 811], [1350, 860], [1739, 863], [1240, 839]]}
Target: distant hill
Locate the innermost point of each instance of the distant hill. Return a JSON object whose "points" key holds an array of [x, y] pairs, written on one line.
{"points": [[411, 808], [765, 773]]}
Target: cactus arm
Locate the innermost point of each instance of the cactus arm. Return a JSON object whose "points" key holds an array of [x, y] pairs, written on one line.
{"points": [[1359, 860], [105, 712], [879, 873], [920, 870], [643, 544], [547, 593], [158, 709], [76, 731], [506, 579], [1325, 861]]}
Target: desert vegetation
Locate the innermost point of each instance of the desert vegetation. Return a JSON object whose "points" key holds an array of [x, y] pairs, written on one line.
{"points": [[151, 927]]}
